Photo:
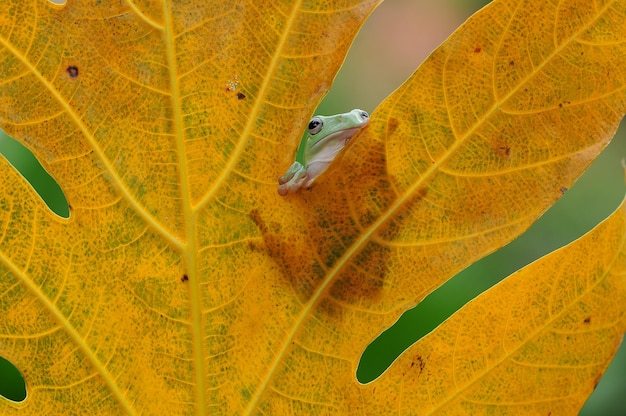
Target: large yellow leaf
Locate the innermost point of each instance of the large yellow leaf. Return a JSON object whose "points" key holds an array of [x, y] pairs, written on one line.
{"points": [[183, 283]]}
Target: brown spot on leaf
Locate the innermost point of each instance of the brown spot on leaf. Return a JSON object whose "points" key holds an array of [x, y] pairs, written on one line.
{"points": [[501, 148], [72, 71], [504, 151], [392, 125]]}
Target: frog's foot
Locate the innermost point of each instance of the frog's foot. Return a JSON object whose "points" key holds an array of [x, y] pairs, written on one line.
{"points": [[293, 180]]}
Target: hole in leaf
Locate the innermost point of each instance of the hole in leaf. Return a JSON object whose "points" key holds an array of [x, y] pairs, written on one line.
{"points": [[419, 321], [29, 167], [12, 385]]}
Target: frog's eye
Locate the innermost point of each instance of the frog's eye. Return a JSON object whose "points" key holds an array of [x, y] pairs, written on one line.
{"points": [[364, 115], [315, 125]]}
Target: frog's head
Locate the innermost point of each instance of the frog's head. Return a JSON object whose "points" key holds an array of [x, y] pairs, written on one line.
{"points": [[327, 136]]}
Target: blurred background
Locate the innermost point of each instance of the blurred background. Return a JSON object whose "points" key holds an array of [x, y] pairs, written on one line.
{"points": [[394, 41]]}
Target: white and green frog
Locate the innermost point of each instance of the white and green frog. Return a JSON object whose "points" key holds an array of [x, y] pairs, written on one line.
{"points": [[327, 136]]}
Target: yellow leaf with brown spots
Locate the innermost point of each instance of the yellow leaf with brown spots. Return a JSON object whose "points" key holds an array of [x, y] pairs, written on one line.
{"points": [[183, 283]]}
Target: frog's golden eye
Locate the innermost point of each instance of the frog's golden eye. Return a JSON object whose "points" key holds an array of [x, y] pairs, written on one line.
{"points": [[315, 125]]}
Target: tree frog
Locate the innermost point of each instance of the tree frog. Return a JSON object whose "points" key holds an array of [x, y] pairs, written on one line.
{"points": [[327, 136]]}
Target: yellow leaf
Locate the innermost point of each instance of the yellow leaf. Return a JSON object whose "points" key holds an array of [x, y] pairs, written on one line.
{"points": [[537, 343], [182, 283]]}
